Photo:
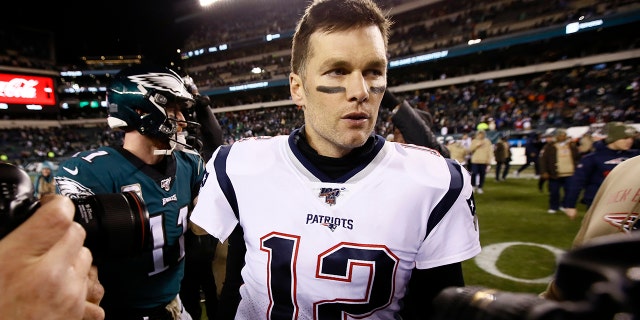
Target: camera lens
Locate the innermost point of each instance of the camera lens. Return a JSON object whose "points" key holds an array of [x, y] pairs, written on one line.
{"points": [[16, 198], [478, 303], [117, 224]]}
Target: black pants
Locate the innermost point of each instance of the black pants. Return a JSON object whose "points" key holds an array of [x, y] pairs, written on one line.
{"points": [[502, 170], [478, 173], [530, 160]]}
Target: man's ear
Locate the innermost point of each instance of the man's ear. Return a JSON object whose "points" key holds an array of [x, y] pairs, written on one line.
{"points": [[297, 90]]}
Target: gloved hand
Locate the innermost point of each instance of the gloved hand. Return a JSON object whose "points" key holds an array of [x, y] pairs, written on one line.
{"points": [[210, 134], [190, 85], [389, 100], [202, 103], [415, 128]]}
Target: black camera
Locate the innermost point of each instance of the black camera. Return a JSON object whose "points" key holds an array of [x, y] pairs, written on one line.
{"points": [[598, 281], [116, 224]]}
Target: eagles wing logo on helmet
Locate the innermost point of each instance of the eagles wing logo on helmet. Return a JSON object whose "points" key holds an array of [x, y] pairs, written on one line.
{"points": [[161, 81]]}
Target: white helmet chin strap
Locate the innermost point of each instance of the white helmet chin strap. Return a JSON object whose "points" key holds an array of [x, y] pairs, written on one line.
{"points": [[179, 144]]}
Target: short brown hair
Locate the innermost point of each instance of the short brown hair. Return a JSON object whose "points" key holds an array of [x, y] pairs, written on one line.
{"points": [[330, 16]]}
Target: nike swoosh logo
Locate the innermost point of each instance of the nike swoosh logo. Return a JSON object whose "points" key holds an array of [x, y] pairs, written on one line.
{"points": [[71, 172]]}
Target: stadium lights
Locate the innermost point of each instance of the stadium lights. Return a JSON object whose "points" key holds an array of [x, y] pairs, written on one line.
{"points": [[419, 58], [204, 3], [577, 26], [270, 37], [71, 73]]}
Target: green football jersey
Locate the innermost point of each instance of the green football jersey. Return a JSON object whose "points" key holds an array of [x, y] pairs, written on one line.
{"points": [[153, 277]]}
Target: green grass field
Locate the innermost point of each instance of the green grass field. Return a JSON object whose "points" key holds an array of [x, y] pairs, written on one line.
{"points": [[516, 211]]}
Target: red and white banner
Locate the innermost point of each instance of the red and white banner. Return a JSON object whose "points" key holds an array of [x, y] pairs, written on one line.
{"points": [[26, 89]]}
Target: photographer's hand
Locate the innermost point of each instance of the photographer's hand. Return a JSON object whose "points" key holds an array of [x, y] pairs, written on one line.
{"points": [[45, 270], [95, 292]]}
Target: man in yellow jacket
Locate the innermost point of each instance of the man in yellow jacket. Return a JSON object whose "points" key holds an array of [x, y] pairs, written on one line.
{"points": [[481, 156]]}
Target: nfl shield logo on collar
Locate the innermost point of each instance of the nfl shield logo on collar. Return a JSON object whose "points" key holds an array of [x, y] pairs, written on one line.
{"points": [[166, 184]]}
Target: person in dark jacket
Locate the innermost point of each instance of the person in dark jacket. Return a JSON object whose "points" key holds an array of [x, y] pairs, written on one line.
{"points": [[558, 160], [532, 151], [502, 155], [595, 166]]}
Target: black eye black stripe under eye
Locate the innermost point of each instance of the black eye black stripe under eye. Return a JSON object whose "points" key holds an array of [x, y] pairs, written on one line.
{"points": [[378, 90], [331, 90]]}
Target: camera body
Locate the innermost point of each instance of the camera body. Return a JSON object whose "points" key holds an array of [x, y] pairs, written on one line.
{"points": [[597, 281], [116, 224]]}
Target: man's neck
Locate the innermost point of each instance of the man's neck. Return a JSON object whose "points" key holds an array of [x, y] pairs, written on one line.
{"points": [[335, 167]]}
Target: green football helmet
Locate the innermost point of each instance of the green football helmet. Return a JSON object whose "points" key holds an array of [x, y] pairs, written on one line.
{"points": [[137, 97]]}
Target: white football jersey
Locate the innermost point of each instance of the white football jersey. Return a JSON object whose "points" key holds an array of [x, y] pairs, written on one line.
{"points": [[336, 249]]}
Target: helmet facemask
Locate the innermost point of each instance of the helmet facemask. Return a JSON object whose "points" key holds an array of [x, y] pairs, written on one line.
{"points": [[158, 123], [167, 130]]}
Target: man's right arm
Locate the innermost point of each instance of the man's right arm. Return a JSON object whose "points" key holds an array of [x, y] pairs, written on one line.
{"points": [[210, 130]]}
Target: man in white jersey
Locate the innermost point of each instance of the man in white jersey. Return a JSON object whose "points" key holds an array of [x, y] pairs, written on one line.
{"points": [[332, 221]]}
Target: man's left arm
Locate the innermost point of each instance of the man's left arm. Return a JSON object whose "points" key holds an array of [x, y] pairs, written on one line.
{"points": [[425, 285]]}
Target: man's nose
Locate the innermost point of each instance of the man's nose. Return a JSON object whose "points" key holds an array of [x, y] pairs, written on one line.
{"points": [[357, 88], [181, 120]]}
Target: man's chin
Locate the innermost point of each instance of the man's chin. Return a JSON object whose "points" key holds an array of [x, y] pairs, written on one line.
{"points": [[356, 140]]}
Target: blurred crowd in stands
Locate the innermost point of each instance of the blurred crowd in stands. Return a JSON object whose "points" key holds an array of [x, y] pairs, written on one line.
{"points": [[420, 26], [578, 97], [24, 145]]}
